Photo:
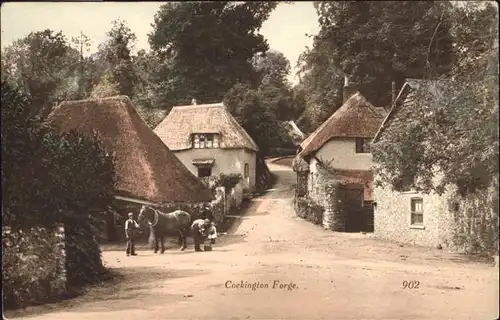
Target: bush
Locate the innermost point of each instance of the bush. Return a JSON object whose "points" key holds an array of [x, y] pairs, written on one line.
{"points": [[31, 267], [51, 178], [228, 181], [309, 210]]}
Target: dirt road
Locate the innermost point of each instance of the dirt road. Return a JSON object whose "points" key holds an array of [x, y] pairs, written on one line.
{"points": [[297, 270]]}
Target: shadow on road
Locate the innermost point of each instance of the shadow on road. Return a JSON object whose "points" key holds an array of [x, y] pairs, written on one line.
{"points": [[133, 284]]}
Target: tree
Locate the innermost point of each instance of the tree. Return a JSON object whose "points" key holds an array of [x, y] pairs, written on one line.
{"points": [[44, 66], [115, 59], [49, 178], [372, 52], [106, 87], [207, 47], [86, 71], [148, 94], [456, 133], [251, 110], [272, 67], [448, 140], [276, 92]]}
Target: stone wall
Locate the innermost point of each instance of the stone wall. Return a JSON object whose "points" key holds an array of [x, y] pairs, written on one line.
{"points": [[301, 186], [307, 209], [474, 222], [461, 224], [318, 180], [34, 266], [392, 217], [335, 215]]}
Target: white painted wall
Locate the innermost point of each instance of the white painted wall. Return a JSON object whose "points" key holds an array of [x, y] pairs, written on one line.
{"points": [[343, 153], [226, 161]]}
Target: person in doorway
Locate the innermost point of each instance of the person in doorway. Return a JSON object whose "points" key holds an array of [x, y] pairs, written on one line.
{"points": [[199, 230], [130, 227]]}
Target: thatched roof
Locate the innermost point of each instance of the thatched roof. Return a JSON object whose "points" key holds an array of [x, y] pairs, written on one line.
{"points": [[436, 89], [146, 169], [357, 118], [183, 121]]}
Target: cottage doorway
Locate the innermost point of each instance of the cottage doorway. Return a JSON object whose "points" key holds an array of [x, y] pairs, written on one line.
{"points": [[353, 200]]}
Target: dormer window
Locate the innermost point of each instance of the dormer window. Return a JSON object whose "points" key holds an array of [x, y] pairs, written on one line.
{"points": [[205, 140]]}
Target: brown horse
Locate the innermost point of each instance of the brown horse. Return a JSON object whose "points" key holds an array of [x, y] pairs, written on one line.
{"points": [[162, 223]]}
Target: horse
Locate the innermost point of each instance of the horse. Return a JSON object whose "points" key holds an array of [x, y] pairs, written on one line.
{"points": [[161, 223]]}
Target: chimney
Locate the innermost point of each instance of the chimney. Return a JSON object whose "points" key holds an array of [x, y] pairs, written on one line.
{"points": [[193, 102], [393, 93], [348, 90]]}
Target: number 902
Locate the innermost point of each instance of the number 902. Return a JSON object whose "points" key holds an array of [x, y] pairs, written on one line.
{"points": [[411, 284]]}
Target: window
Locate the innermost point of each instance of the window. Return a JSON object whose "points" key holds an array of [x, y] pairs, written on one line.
{"points": [[205, 140], [417, 211], [204, 172], [247, 170], [209, 140], [362, 145], [202, 140]]}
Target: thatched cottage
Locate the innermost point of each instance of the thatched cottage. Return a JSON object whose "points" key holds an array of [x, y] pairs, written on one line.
{"points": [[414, 217], [209, 141], [147, 171], [342, 146]]}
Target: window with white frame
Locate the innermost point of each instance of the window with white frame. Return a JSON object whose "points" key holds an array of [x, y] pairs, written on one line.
{"points": [[205, 140], [417, 211]]}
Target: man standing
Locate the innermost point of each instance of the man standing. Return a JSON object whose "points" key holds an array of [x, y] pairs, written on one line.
{"points": [[199, 229], [130, 226]]}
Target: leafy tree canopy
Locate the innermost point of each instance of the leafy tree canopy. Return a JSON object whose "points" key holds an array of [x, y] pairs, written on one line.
{"points": [[115, 60], [49, 177], [373, 44], [207, 47], [45, 67], [450, 138]]}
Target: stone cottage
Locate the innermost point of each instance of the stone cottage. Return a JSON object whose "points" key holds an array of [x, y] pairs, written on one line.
{"points": [[147, 171], [412, 217], [208, 140], [334, 164], [342, 145]]}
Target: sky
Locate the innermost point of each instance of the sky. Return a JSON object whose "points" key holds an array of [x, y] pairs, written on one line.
{"points": [[285, 30]]}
